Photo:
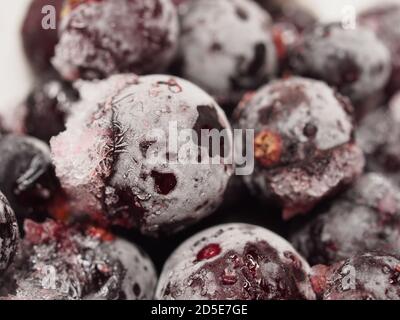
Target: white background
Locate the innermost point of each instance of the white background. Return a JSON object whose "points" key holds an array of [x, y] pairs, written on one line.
{"points": [[15, 77]]}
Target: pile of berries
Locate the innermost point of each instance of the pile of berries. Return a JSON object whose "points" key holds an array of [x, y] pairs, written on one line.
{"points": [[94, 164]]}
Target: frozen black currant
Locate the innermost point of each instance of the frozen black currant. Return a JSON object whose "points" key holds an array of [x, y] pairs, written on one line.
{"points": [[303, 145], [235, 262], [355, 62], [378, 135], [366, 218], [227, 47], [8, 233], [27, 176], [384, 20], [131, 154], [366, 276], [61, 262], [101, 38], [46, 108], [39, 33]]}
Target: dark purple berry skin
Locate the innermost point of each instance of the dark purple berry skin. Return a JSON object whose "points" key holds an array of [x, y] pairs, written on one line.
{"points": [[26, 175], [46, 108], [101, 38], [235, 262], [39, 43], [355, 62], [78, 262], [303, 148], [209, 57], [105, 158], [384, 20], [378, 135], [8, 234], [366, 276], [365, 218]]}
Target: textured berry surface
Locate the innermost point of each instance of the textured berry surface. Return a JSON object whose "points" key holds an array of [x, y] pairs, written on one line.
{"points": [[58, 262], [46, 108], [8, 233], [378, 135], [366, 218], [384, 20], [338, 57], [210, 58], [26, 175], [101, 38], [105, 157], [235, 261], [367, 276], [304, 147]]}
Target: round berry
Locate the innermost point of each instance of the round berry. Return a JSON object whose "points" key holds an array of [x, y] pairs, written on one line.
{"points": [[355, 62], [235, 262], [227, 47], [384, 19], [46, 108], [101, 38], [366, 218], [303, 144], [117, 162], [8, 233], [367, 276], [26, 175], [79, 263], [378, 135], [39, 33]]}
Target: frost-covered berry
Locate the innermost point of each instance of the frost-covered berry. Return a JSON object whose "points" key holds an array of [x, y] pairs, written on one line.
{"points": [[227, 47], [378, 135], [125, 158], [366, 218], [367, 276], [26, 175], [235, 262], [46, 108], [303, 145], [355, 62], [8, 233], [101, 38], [39, 34], [384, 19], [60, 262]]}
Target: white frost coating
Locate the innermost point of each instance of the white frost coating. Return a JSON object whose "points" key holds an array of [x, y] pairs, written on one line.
{"points": [[137, 107], [179, 266], [322, 53], [120, 30], [378, 136], [373, 187], [209, 23], [156, 107], [139, 270], [320, 106], [365, 276], [79, 151]]}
